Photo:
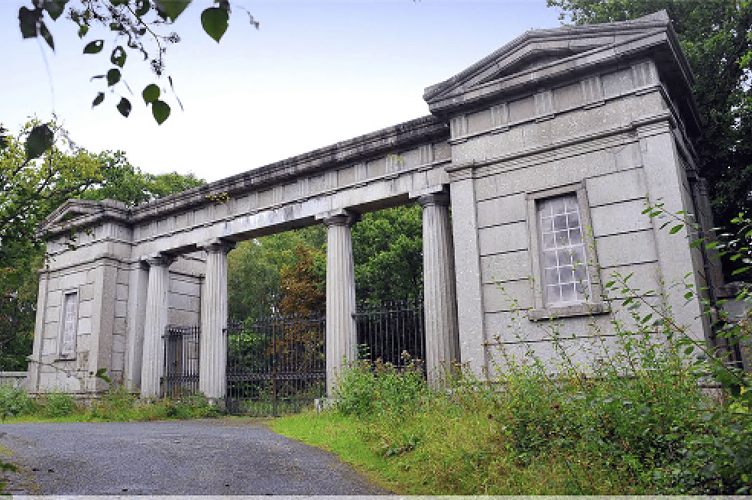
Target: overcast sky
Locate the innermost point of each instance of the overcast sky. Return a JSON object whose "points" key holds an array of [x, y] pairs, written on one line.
{"points": [[316, 72]]}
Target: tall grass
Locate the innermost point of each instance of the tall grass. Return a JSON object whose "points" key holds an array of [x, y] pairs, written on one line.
{"points": [[653, 430]]}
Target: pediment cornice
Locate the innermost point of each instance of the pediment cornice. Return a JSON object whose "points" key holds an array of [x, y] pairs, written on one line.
{"points": [[541, 57], [78, 214]]}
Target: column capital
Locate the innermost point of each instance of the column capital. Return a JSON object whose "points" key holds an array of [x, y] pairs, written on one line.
{"points": [[216, 245], [440, 198], [159, 260], [339, 218]]}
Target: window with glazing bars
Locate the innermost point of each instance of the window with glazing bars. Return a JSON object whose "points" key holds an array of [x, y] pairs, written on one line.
{"points": [[563, 255]]}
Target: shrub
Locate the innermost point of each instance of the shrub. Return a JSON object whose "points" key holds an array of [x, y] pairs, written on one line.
{"points": [[15, 401], [373, 389], [58, 404]]}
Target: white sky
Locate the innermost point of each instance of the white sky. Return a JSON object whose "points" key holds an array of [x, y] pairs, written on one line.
{"points": [[316, 72]]}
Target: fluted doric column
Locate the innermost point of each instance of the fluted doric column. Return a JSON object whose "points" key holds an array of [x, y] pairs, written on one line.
{"points": [[152, 366], [213, 347], [442, 332], [341, 334]]}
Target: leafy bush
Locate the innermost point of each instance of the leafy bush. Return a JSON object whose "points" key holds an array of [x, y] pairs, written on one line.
{"points": [[58, 404], [117, 405], [371, 389], [15, 401]]}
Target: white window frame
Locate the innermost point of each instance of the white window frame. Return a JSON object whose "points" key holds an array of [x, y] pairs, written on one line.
{"points": [[593, 303], [68, 354]]}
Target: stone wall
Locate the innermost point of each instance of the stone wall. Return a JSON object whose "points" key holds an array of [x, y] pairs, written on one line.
{"points": [[15, 379]]}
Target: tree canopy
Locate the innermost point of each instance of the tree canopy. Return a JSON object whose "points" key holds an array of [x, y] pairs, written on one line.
{"points": [[716, 36], [388, 254]]}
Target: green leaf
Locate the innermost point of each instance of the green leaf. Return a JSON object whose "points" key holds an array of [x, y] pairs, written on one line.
{"points": [[40, 139], [151, 93], [46, 35], [94, 47], [124, 106], [676, 228], [82, 31], [214, 20], [27, 20], [98, 100], [113, 76], [142, 7], [54, 8], [118, 56], [171, 9], [741, 270], [118, 2], [160, 110]]}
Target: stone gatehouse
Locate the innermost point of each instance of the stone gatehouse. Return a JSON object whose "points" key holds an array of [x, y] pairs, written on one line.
{"points": [[544, 153]]}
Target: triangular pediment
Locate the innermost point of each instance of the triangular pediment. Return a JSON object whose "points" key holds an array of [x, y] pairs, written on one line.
{"points": [[78, 213], [539, 57]]}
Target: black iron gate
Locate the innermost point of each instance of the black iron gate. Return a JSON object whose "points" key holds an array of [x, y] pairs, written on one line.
{"points": [[275, 365], [389, 330], [181, 360]]}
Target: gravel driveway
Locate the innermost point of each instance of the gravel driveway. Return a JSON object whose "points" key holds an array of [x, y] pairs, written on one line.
{"points": [[199, 457]]}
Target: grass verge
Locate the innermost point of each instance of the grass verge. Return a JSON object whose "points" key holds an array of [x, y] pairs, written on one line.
{"points": [[652, 432]]}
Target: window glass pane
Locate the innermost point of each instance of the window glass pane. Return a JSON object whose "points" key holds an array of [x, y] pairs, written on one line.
{"points": [[563, 256], [560, 222]]}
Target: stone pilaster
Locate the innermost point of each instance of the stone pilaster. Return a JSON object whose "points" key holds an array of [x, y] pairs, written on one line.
{"points": [[341, 334], [442, 333], [213, 347], [152, 365]]}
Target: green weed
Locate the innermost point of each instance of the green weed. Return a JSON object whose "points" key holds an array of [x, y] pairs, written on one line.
{"points": [[15, 401]]}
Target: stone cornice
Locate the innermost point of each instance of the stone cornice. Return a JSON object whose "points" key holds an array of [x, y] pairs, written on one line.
{"points": [[79, 214], [343, 153]]}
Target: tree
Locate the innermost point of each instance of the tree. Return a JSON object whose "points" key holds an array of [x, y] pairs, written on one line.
{"points": [[33, 183], [716, 36], [139, 27], [301, 286], [388, 254], [254, 270], [121, 181]]}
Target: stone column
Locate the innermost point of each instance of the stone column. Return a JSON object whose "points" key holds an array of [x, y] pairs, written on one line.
{"points": [[213, 347], [152, 365], [341, 334], [442, 333]]}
